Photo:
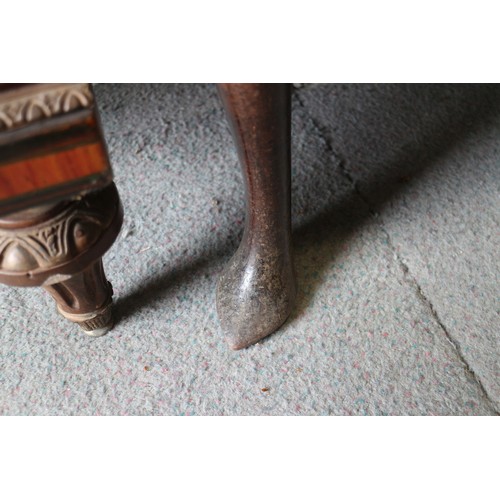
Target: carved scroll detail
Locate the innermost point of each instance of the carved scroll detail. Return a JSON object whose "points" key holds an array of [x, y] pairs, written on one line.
{"points": [[61, 238], [38, 102], [59, 241]]}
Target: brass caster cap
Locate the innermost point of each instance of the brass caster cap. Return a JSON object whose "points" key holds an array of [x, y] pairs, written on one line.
{"points": [[98, 332], [94, 324]]}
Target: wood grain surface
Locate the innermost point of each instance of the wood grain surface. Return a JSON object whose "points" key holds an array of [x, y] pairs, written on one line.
{"points": [[52, 148]]}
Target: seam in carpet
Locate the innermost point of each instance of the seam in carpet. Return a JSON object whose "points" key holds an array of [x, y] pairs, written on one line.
{"points": [[404, 268]]}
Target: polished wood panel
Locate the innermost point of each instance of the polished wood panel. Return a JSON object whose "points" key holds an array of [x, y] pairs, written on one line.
{"points": [[51, 145], [27, 176]]}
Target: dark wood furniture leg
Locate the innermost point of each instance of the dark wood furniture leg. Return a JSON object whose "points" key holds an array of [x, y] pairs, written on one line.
{"points": [[59, 210], [257, 289], [59, 247]]}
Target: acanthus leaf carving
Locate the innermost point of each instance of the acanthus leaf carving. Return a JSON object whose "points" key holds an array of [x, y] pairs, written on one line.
{"points": [[55, 242]]}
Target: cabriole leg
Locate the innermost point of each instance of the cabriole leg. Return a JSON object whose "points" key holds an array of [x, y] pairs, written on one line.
{"points": [[256, 290]]}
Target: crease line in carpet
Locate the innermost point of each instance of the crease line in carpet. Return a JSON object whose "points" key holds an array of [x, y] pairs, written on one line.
{"points": [[404, 268]]}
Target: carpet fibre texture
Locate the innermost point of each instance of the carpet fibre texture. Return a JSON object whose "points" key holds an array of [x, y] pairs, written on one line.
{"points": [[396, 239]]}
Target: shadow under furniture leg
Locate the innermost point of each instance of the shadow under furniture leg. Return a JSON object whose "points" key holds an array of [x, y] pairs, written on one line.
{"points": [[257, 289]]}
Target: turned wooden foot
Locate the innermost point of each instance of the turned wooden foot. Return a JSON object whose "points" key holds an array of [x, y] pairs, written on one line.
{"points": [[256, 290], [59, 247], [86, 299]]}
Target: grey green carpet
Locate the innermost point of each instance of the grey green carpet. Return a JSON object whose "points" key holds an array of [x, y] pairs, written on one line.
{"points": [[396, 238]]}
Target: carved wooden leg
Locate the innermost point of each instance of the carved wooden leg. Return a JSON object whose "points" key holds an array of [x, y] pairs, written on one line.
{"points": [[59, 246], [256, 291]]}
